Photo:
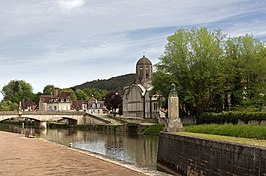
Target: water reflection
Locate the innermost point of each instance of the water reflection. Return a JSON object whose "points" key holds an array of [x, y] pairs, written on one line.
{"points": [[139, 150]]}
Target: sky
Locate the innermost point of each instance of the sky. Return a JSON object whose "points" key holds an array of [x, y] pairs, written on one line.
{"points": [[69, 42]]}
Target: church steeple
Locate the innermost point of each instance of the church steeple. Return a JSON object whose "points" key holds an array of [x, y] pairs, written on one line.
{"points": [[143, 70]]}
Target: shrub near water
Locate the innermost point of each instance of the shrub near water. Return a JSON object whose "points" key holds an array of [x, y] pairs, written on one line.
{"points": [[246, 131], [152, 130]]}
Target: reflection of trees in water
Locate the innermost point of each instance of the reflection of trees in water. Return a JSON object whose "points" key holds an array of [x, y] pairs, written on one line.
{"points": [[136, 149]]}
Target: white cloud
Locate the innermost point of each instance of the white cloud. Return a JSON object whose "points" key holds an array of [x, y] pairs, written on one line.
{"points": [[70, 4]]}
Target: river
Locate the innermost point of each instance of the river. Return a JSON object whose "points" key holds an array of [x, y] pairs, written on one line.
{"points": [[134, 149]]}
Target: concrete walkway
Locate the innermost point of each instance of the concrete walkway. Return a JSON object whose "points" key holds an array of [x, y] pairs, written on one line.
{"points": [[21, 156]]}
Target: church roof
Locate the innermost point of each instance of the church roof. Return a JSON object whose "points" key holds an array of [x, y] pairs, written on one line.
{"points": [[144, 61], [143, 90]]}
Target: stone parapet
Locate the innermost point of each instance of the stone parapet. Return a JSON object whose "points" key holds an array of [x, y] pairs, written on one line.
{"points": [[197, 156]]}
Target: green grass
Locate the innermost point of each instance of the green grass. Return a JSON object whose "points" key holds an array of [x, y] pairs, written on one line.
{"points": [[260, 143], [245, 131]]}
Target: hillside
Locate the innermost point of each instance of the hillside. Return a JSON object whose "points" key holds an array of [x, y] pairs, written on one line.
{"points": [[114, 84]]}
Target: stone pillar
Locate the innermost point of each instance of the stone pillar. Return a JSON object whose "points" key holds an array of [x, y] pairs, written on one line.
{"points": [[43, 132], [43, 124], [174, 123], [81, 120], [20, 109]]}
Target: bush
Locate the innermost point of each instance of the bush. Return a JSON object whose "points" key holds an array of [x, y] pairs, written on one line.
{"points": [[152, 130]]}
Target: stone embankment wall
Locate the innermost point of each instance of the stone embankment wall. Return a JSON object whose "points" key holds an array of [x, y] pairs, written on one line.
{"points": [[195, 156]]}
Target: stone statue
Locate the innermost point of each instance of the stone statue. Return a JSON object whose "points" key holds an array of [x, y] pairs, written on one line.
{"points": [[173, 92]]}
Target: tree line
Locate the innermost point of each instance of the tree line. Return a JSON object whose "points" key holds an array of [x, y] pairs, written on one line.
{"points": [[114, 84], [17, 90]]}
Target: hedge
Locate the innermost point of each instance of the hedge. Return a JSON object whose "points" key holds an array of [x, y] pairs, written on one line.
{"points": [[230, 117]]}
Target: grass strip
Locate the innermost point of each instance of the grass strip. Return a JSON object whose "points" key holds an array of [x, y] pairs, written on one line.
{"points": [[245, 131], [260, 143]]}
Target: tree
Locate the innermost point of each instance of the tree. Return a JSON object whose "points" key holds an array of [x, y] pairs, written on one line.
{"points": [[36, 97], [80, 94], [113, 101], [212, 73], [245, 59], [48, 89], [97, 93], [8, 106], [192, 61], [16, 90]]}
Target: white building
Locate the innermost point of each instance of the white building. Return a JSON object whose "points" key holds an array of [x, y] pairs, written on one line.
{"points": [[91, 106]]}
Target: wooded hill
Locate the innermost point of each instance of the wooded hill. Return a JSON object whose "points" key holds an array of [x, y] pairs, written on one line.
{"points": [[114, 84]]}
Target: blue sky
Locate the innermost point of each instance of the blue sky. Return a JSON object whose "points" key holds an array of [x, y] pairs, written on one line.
{"points": [[69, 42]]}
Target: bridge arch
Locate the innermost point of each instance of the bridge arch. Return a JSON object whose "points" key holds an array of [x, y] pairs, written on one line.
{"points": [[6, 117]]}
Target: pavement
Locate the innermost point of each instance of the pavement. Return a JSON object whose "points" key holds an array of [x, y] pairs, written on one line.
{"points": [[21, 156]]}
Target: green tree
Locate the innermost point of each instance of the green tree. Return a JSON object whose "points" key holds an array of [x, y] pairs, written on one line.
{"points": [[80, 94], [36, 97], [8, 106], [246, 63], [16, 90], [212, 73], [97, 93], [192, 61], [48, 89]]}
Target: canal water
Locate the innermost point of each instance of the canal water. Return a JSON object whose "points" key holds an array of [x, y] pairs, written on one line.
{"points": [[134, 149]]}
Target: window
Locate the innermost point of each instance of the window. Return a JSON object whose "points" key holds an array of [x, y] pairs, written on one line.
{"points": [[155, 106], [141, 70], [147, 72]]}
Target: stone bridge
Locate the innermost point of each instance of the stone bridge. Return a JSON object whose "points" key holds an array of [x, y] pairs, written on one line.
{"points": [[48, 116]]}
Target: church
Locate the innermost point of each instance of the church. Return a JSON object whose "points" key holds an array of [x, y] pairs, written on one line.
{"points": [[138, 101]]}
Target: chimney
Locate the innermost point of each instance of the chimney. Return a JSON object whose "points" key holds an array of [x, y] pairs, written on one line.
{"points": [[56, 91]]}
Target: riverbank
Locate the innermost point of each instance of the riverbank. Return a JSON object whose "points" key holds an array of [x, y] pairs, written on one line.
{"points": [[33, 156]]}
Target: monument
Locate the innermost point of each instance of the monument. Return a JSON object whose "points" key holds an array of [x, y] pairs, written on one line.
{"points": [[174, 123]]}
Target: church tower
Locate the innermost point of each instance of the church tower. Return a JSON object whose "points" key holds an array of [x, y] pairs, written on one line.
{"points": [[138, 100], [143, 70]]}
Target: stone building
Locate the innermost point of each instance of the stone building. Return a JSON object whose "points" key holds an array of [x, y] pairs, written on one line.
{"points": [[137, 98], [92, 106], [59, 101]]}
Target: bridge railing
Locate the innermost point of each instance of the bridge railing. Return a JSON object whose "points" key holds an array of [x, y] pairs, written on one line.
{"points": [[43, 112], [99, 118], [8, 112]]}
